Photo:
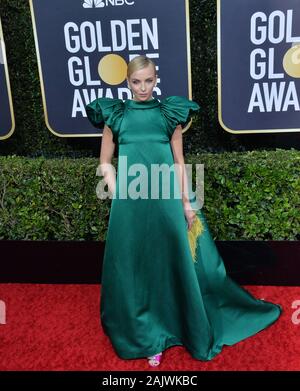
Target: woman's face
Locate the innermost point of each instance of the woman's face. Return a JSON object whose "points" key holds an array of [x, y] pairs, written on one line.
{"points": [[142, 83]]}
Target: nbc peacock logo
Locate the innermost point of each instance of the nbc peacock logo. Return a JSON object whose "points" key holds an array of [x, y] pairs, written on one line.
{"points": [[93, 4], [105, 3]]}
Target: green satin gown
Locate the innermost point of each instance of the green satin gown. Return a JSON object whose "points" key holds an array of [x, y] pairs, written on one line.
{"points": [[154, 293]]}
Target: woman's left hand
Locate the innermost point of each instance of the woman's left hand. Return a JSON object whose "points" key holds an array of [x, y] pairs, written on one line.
{"points": [[190, 215]]}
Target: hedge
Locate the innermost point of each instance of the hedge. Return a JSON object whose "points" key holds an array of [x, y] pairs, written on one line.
{"points": [[248, 196]]}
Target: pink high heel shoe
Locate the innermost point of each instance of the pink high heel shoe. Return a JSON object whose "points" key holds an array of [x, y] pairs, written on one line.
{"points": [[155, 360]]}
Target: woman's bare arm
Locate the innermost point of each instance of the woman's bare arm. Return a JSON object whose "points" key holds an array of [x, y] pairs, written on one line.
{"points": [[106, 155], [177, 148]]}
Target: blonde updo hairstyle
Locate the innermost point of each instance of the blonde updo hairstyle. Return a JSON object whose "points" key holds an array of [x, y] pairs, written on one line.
{"points": [[138, 63]]}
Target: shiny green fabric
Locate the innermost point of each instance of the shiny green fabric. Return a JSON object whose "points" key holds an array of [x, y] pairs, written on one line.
{"points": [[153, 294]]}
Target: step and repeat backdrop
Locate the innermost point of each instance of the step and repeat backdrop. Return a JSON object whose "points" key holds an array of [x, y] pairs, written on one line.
{"points": [[259, 66], [83, 47], [7, 120]]}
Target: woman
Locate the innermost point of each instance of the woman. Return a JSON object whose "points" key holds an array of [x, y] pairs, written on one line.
{"points": [[158, 290]]}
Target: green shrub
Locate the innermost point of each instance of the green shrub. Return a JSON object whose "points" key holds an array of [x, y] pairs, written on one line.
{"points": [[248, 196]]}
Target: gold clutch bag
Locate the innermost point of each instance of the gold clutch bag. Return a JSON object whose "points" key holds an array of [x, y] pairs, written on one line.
{"points": [[193, 234]]}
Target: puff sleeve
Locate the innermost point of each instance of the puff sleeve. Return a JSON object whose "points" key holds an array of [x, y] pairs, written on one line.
{"points": [[107, 111], [178, 110]]}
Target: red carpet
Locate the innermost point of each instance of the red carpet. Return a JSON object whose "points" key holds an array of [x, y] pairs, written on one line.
{"points": [[57, 327]]}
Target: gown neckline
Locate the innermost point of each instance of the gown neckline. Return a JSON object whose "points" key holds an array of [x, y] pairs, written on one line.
{"points": [[134, 104]]}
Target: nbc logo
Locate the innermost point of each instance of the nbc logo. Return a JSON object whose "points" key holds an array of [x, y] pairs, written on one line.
{"points": [[105, 3]]}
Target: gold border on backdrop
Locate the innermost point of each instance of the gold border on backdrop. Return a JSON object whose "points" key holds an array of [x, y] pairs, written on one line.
{"points": [[247, 131], [12, 116], [188, 48], [42, 80]]}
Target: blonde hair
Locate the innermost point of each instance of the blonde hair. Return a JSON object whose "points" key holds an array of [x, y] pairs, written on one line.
{"points": [[138, 63]]}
